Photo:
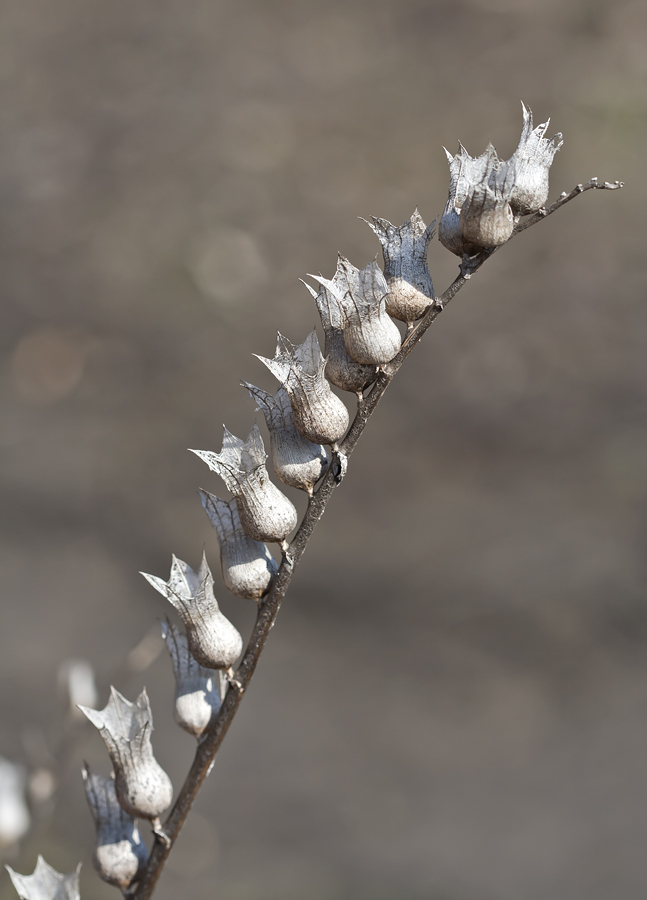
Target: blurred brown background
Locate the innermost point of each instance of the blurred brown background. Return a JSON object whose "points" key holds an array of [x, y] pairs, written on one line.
{"points": [[452, 704]]}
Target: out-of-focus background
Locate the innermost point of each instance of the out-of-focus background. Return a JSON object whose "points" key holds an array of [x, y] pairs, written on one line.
{"points": [[451, 706]]}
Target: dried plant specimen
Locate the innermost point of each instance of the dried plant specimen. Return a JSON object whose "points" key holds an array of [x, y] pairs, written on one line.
{"points": [[213, 641], [120, 851], [319, 415], [297, 461], [143, 787], [371, 337], [341, 369], [266, 514], [198, 691], [247, 565], [533, 159], [404, 248]]}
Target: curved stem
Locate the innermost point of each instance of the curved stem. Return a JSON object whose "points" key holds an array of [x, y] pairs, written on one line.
{"points": [[270, 605]]}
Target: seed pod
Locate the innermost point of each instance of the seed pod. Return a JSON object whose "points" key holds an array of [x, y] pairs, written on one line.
{"points": [[46, 883], [405, 266], [213, 641], [297, 461], [266, 514], [370, 336], [533, 158], [341, 369], [464, 172], [319, 415], [198, 691], [120, 851], [486, 218], [144, 790], [247, 566]]}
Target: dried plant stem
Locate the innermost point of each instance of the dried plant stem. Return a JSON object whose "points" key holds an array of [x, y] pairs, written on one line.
{"points": [[269, 607]]}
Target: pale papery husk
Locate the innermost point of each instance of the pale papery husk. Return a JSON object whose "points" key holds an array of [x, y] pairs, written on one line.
{"points": [[319, 414], [198, 691], [266, 514], [533, 159], [213, 641], [341, 369], [297, 461], [143, 788], [404, 248], [120, 852], [370, 335], [247, 565]]}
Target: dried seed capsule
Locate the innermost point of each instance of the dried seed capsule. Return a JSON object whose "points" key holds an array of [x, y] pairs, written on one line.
{"points": [[411, 291], [143, 788], [247, 565], [120, 851], [46, 883], [297, 461], [341, 369], [464, 172], [533, 158], [213, 641], [266, 514], [370, 336], [319, 415], [486, 218], [198, 691]]}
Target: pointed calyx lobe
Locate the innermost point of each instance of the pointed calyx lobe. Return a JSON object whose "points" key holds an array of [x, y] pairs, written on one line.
{"points": [[247, 565], [265, 513], [404, 248], [370, 335], [143, 788], [319, 415], [213, 641], [46, 883], [120, 851], [297, 461]]}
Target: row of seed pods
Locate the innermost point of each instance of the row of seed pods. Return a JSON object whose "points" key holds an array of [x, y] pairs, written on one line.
{"points": [[304, 418]]}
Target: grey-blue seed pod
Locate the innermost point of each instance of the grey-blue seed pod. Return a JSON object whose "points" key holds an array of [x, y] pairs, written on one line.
{"points": [[319, 415], [120, 852], [297, 461], [198, 691], [266, 513], [247, 565], [213, 641], [404, 248], [143, 788]]}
